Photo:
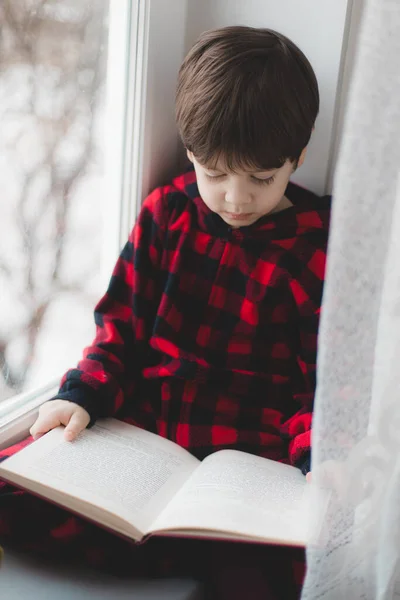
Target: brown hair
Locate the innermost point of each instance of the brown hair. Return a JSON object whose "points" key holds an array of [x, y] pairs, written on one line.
{"points": [[247, 95]]}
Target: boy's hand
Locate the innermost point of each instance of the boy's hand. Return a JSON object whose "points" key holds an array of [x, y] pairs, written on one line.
{"points": [[309, 477], [60, 412]]}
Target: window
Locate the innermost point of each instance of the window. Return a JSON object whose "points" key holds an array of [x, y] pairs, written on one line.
{"points": [[51, 169], [65, 110]]}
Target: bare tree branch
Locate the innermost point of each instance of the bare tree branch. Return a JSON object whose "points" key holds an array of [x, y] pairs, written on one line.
{"points": [[35, 36]]}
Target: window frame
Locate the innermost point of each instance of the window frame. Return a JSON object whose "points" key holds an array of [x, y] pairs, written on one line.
{"points": [[125, 98], [140, 148]]}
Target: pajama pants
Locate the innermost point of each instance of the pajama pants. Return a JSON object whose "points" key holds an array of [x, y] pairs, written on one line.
{"points": [[230, 570]]}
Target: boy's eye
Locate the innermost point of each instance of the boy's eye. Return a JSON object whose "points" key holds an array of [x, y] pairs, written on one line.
{"points": [[257, 180], [267, 181], [214, 177]]}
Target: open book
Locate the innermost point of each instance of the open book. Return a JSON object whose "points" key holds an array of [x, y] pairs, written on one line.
{"points": [[139, 484]]}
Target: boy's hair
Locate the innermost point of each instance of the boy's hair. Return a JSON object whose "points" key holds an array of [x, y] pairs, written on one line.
{"points": [[247, 95]]}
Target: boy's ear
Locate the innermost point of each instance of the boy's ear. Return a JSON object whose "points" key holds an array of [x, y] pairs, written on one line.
{"points": [[190, 155], [302, 157]]}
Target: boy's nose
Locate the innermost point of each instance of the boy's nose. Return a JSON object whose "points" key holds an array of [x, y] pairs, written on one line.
{"points": [[237, 199]]}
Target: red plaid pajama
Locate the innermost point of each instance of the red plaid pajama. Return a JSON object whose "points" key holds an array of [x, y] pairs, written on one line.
{"points": [[206, 335]]}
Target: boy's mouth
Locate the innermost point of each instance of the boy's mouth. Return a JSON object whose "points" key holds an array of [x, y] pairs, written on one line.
{"points": [[238, 216]]}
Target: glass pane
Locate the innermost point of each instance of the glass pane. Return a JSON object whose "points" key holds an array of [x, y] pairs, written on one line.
{"points": [[52, 88]]}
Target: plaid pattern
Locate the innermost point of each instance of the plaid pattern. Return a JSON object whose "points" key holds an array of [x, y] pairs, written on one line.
{"points": [[206, 335]]}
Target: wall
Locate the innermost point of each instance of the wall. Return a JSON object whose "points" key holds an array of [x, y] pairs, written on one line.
{"points": [[318, 28], [167, 20], [349, 57]]}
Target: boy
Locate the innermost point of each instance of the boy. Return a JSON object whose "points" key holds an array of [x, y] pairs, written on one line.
{"points": [[207, 333]]}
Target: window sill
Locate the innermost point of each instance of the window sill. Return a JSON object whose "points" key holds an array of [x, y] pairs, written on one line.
{"points": [[18, 414]]}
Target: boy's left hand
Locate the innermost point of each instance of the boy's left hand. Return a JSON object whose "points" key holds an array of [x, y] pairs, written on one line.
{"points": [[308, 477]]}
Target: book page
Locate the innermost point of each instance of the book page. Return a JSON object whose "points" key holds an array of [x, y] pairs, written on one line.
{"points": [[113, 465], [242, 494]]}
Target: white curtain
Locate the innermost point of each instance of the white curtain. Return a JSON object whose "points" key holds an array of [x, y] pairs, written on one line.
{"points": [[356, 436]]}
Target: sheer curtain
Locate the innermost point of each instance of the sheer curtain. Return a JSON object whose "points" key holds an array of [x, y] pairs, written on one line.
{"points": [[356, 443]]}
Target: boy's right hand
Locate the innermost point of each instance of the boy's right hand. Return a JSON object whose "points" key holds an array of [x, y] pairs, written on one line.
{"points": [[60, 412]]}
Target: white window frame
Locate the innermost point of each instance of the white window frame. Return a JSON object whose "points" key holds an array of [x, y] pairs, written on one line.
{"points": [[125, 91], [146, 46]]}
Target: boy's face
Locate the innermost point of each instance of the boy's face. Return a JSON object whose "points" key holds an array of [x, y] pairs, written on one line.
{"points": [[243, 197]]}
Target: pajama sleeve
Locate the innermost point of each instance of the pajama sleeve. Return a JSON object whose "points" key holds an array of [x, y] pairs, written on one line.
{"points": [[106, 376], [297, 429]]}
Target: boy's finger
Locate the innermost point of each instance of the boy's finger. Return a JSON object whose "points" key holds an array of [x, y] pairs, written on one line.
{"points": [[77, 423], [44, 423]]}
